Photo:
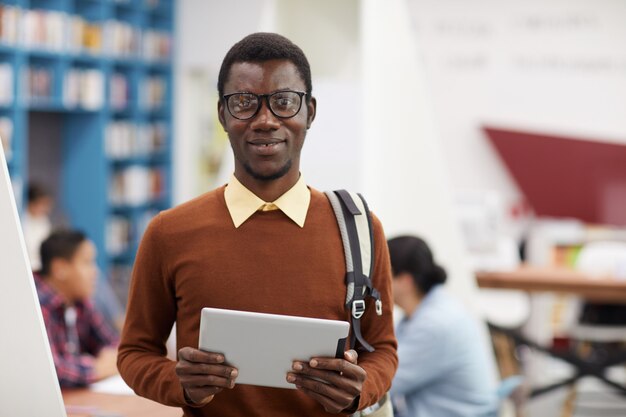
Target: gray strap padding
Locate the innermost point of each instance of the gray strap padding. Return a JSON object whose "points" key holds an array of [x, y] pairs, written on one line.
{"points": [[341, 222], [354, 222]]}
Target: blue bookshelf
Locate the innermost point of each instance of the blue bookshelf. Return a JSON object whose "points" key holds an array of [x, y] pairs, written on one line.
{"points": [[104, 67]]}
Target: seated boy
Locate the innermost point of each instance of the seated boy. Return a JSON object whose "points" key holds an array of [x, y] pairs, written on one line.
{"points": [[83, 345]]}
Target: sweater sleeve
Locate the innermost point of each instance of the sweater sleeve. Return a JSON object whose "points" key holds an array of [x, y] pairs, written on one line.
{"points": [[381, 364], [150, 316]]}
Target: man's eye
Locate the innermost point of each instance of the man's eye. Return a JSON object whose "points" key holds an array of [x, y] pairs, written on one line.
{"points": [[283, 101], [243, 102]]}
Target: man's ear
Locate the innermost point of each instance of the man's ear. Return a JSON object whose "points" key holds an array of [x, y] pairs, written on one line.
{"points": [[59, 268], [311, 110], [220, 113]]}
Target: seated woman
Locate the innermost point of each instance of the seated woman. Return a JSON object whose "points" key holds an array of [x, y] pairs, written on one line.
{"points": [[444, 367], [83, 345]]}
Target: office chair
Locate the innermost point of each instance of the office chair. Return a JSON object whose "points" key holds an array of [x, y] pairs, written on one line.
{"points": [[506, 310], [601, 330]]}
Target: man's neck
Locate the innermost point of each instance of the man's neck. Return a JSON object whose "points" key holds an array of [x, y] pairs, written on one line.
{"points": [[269, 190], [59, 288]]}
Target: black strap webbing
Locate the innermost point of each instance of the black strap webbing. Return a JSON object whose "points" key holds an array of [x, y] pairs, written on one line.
{"points": [[361, 283]]}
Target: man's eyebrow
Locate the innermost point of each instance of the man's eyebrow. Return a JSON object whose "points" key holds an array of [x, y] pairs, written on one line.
{"points": [[279, 90]]}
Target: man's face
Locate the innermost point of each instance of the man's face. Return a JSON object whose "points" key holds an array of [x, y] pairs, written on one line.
{"points": [[83, 271], [40, 207], [266, 147]]}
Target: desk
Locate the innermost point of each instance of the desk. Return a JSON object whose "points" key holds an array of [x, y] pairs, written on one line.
{"points": [[563, 280], [122, 405]]}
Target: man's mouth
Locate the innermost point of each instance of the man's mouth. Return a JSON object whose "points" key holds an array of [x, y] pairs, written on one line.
{"points": [[267, 147]]}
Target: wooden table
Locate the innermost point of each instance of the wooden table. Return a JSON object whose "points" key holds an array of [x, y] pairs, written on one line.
{"points": [[85, 403], [562, 280]]}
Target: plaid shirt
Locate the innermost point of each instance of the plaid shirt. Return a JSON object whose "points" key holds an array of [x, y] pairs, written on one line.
{"points": [[73, 369]]}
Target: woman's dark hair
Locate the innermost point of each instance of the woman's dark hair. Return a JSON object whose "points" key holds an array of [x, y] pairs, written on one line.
{"points": [[261, 47], [60, 244], [412, 255]]}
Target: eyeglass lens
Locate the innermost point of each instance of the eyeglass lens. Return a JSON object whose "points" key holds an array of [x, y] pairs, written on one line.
{"points": [[282, 104]]}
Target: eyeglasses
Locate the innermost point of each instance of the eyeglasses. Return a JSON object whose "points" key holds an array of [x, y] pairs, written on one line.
{"points": [[282, 104]]}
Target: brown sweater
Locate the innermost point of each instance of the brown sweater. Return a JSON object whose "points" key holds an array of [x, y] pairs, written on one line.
{"points": [[193, 257]]}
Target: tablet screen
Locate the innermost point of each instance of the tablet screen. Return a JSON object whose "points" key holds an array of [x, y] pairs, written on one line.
{"points": [[263, 346]]}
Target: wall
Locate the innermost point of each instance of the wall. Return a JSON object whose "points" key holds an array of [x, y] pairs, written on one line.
{"points": [[389, 147], [205, 32], [329, 33], [555, 66]]}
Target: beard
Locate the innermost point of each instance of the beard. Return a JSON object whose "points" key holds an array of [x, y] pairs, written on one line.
{"points": [[269, 177]]}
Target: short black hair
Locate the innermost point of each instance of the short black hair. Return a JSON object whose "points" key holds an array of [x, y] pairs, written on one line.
{"points": [[60, 244], [412, 255], [261, 47], [36, 192]]}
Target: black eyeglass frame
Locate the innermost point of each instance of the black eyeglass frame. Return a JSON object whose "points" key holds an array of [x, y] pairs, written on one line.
{"points": [[260, 98]]}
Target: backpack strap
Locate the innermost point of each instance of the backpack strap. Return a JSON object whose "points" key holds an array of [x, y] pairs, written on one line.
{"points": [[355, 225]]}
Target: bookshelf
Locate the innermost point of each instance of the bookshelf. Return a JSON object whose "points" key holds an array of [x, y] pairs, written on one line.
{"points": [[104, 68]]}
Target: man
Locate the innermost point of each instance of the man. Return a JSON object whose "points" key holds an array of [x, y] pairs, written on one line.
{"points": [[84, 346], [36, 222], [264, 243]]}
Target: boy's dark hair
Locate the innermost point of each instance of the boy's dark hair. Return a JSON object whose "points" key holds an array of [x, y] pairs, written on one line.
{"points": [[412, 255], [60, 244], [35, 192], [261, 47]]}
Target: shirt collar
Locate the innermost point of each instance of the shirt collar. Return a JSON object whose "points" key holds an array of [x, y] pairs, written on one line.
{"points": [[47, 295], [243, 203]]}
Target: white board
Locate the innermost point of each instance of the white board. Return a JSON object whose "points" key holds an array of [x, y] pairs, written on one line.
{"points": [[28, 381]]}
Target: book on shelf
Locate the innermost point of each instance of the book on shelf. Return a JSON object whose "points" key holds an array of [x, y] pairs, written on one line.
{"points": [[122, 39], [39, 84], [9, 23], [6, 135], [6, 84], [119, 277], [127, 140], [154, 89], [44, 29], [157, 45], [136, 185], [119, 92], [118, 235], [60, 31], [83, 88]]}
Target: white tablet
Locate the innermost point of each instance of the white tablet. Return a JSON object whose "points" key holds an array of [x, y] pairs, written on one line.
{"points": [[263, 346]]}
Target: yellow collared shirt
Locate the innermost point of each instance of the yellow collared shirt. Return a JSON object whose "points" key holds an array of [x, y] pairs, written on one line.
{"points": [[243, 203]]}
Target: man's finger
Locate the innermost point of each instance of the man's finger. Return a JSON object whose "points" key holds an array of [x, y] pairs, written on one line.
{"points": [[338, 365], [206, 381], [351, 356], [199, 356], [345, 378], [200, 369]]}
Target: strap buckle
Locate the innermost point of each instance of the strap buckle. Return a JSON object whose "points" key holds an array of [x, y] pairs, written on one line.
{"points": [[358, 308]]}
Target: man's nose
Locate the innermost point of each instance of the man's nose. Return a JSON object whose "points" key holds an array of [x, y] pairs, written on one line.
{"points": [[265, 119]]}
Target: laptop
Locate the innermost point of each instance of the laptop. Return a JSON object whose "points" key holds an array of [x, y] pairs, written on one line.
{"points": [[28, 381]]}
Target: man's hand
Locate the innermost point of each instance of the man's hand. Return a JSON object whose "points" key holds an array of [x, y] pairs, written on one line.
{"points": [[334, 383], [203, 374], [105, 364]]}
